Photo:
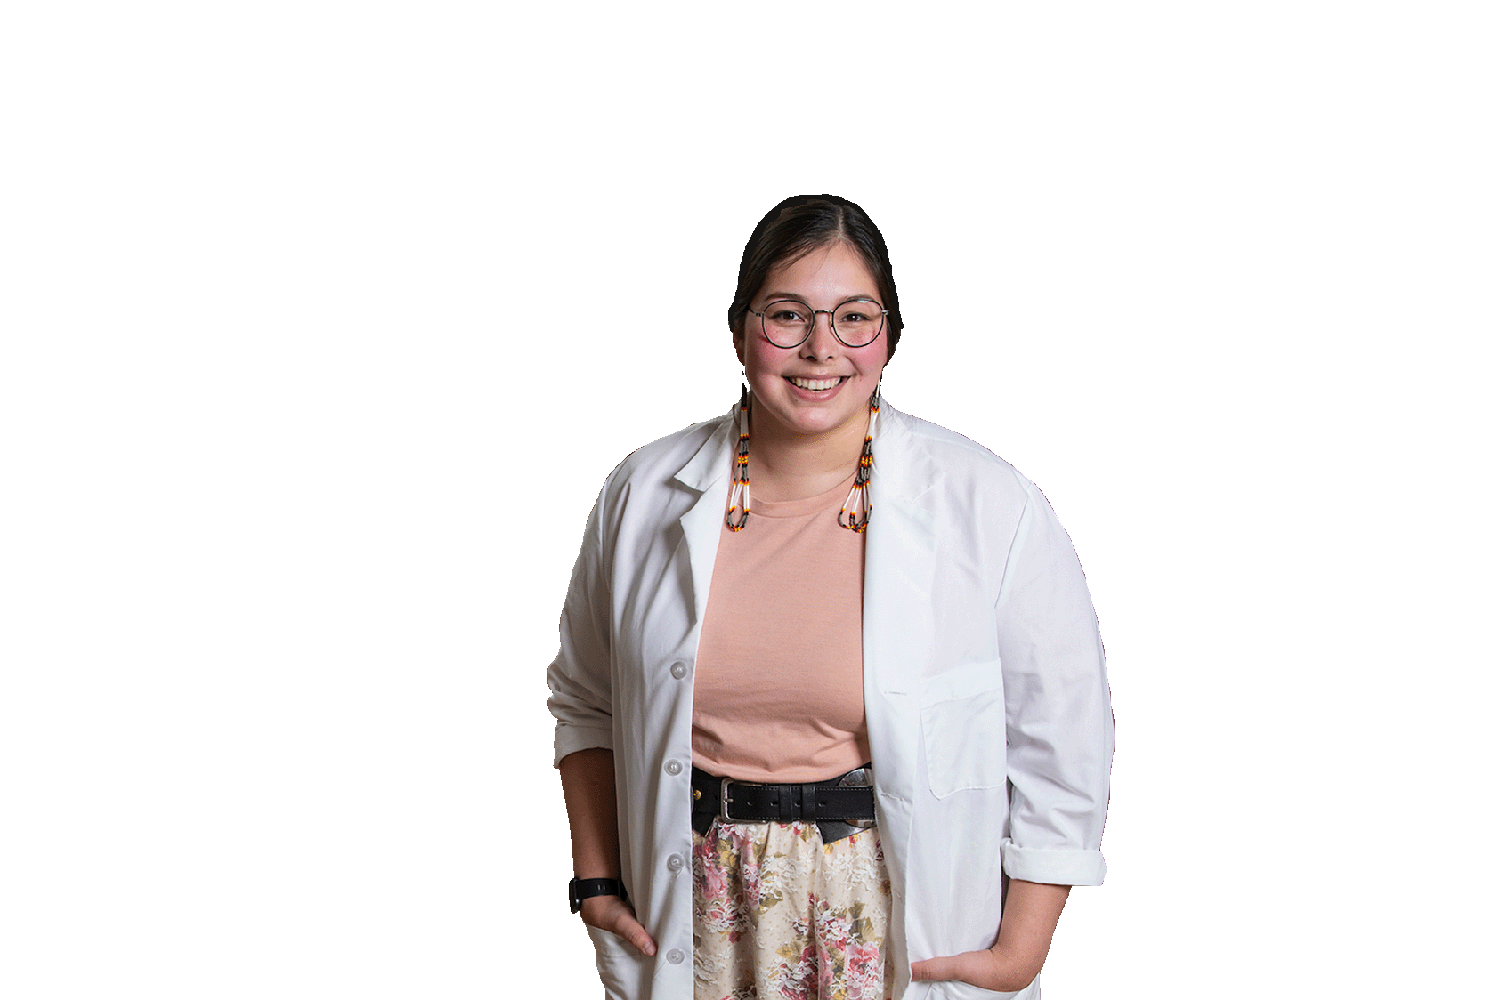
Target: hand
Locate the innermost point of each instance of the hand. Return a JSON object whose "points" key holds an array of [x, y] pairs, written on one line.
{"points": [[990, 969], [1016, 957], [613, 914]]}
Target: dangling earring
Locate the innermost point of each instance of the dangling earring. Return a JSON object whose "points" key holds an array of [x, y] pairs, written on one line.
{"points": [[739, 497], [855, 514]]}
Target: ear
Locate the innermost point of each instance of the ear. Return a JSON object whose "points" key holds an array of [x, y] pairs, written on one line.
{"points": [[739, 344]]}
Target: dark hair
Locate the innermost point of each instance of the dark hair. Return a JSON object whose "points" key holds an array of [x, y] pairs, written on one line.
{"points": [[802, 224]]}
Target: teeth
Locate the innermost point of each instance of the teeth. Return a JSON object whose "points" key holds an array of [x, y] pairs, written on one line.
{"points": [[815, 385]]}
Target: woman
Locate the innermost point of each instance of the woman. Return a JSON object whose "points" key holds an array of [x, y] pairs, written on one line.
{"points": [[767, 601]]}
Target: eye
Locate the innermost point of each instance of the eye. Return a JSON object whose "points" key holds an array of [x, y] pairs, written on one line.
{"points": [[783, 312], [860, 311], [860, 305]]}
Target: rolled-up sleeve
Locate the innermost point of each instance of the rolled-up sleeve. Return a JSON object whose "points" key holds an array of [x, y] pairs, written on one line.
{"points": [[579, 678], [1059, 726]]}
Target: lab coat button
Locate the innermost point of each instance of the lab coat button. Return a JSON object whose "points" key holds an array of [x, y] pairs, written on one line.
{"points": [[675, 956], [675, 862], [679, 670], [674, 767]]}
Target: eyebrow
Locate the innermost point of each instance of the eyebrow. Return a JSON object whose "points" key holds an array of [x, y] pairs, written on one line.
{"points": [[778, 296]]}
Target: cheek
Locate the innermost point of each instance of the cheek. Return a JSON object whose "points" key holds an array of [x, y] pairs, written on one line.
{"points": [[759, 355], [871, 359]]}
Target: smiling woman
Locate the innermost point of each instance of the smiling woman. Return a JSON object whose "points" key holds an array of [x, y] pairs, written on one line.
{"points": [[826, 727], [813, 392]]}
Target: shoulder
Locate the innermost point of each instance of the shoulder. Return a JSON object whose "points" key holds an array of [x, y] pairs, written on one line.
{"points": [[931, 454], [658, 463]]}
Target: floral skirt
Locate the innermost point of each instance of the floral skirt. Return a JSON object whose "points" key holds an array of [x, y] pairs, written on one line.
{"points": [[780, 915]]}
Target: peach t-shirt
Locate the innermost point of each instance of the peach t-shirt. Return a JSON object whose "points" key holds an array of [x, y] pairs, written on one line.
{"points": [[778, 693]]}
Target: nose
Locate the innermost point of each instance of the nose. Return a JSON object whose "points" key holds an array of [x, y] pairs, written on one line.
{"points": [[821, 343]]}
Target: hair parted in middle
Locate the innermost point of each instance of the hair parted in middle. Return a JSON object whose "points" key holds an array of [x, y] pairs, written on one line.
{"points": [[804, 223]]}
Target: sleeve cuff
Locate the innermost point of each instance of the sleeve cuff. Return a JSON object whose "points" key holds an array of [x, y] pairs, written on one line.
{"points": [[1030, 864], [572, 738]]}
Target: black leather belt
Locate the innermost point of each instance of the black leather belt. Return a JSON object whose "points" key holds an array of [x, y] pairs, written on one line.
{"points": [[840, 806]]}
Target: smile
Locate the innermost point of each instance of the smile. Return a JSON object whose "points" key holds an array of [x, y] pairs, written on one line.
{"points": [[815, 384]]}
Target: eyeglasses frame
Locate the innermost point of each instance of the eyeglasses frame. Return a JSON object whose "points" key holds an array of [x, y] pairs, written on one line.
{"points": [[831, 324]]}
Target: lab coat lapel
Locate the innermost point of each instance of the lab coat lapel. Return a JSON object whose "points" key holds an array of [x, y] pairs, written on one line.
{"points": [[900, 560], [706, 473]]}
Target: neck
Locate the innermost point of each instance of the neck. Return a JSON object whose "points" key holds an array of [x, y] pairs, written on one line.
{"points": [[787, 466]]}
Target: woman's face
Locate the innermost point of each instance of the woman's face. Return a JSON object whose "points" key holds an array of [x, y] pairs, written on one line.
{"points": [[820, 387]]}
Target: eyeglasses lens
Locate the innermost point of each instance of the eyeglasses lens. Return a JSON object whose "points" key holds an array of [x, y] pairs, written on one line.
{"points": [[856, 323]]}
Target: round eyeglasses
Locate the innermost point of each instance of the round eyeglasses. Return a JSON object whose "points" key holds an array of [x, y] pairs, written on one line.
{"points": [[787, 322]]}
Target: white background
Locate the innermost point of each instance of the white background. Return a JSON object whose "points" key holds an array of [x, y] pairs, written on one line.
{"points": [[323, 322]]}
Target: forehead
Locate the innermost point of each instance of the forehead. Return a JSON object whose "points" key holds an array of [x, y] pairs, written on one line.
{"points": [[835, 270]]}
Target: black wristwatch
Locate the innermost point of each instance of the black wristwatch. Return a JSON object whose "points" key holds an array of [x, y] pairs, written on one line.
{"points": [[583, 888]]}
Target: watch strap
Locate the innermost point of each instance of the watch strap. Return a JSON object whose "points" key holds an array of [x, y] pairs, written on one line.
{"points": [[585, 888]]}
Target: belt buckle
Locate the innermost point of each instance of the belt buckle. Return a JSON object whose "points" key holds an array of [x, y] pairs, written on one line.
{"points": [[724, 802], [860, 777]]}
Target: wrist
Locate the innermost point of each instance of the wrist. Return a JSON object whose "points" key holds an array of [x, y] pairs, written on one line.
{"points": [[587, 888]]}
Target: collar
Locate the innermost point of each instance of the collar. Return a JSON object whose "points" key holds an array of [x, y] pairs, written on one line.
{"points": [[710, 463]]}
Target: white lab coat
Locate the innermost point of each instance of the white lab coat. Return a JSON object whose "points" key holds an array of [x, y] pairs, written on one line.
{"points": [[985, 695]]}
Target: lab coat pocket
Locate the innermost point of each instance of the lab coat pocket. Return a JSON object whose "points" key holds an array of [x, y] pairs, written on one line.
{"points": [[963, 728], [618, 963]]}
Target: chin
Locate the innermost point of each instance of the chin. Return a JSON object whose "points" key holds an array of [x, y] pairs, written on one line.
{"points": [[823, 422]]}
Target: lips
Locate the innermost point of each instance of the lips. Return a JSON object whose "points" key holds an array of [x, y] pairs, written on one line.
{"points": [[815, 384]]}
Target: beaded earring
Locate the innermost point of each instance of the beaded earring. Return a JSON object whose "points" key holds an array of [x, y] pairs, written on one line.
{"points": [[855, 514], [739, 497]]}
